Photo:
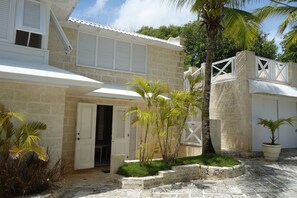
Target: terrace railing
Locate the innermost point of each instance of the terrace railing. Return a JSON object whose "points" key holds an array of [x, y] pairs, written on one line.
{"points": [[192, 136], [268, 69], [223, 70]]}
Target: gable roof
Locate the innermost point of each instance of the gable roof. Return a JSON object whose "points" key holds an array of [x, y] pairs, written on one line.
{"points": [[107, 30]]}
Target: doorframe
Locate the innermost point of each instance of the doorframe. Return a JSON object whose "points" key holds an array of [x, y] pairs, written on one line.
{"points": [[102, 104]]}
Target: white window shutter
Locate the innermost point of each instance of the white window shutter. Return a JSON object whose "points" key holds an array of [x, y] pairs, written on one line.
{"points": [[86, 49], [122, 56], [138, 58], [60, 33], [105, 53], [31, 16], [4, 18]]}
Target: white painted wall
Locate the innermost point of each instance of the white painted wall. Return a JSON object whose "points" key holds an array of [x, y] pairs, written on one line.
{"points": [[271, 107]]}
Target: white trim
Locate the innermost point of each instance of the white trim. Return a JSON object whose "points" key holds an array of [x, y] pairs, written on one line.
{"points": [[127, 36], [256, 86], [131, 54], [116, 92], [60, 33], [45, 74], [20, 19]]}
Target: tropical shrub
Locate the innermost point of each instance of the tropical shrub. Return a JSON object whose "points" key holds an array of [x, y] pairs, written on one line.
{"points": [[273, 125], [163, 117], [23, 162]]}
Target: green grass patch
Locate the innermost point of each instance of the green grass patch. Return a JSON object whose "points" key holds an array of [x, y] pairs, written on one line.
{"points": [[135, 170]]}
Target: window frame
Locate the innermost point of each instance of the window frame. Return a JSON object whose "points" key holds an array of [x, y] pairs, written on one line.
{"points": [[20, 18], [96, 66]]}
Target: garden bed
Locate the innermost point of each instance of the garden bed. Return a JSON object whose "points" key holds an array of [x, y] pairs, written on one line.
{"points": [[189, 170]]}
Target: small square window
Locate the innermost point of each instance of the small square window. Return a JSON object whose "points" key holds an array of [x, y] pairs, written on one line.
{"points": [[28, 39], [21, 38]]}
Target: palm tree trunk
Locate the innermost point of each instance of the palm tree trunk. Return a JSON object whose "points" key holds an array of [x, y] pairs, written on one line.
{"points": [[206, 139]]}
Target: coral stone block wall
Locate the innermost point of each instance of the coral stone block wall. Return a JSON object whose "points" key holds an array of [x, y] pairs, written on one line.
{"points": [[162, 64], [38, 103], [231, 103]]}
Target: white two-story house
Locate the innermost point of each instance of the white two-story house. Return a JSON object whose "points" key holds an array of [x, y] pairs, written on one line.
{"points": [[72, 75]]}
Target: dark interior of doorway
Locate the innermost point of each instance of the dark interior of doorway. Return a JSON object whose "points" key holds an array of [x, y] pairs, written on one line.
{"points": [[103, 135]]}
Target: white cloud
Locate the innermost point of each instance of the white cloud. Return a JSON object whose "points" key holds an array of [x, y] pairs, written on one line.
{"points": [[134, 14], [96, 8]]}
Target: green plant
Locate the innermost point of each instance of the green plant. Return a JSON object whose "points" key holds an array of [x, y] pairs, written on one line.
{"points": [[23, 162], [273, 125], [136, 170], [163, 118]]}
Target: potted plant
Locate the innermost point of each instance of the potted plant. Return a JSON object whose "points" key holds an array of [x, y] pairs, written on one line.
{"points": [[272, 150]]}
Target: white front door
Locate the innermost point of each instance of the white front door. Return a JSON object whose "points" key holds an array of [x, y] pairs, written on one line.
{"points": [[120, 132], [85, 136], [287, 133]]}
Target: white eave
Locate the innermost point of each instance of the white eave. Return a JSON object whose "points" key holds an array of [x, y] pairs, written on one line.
{"points": [[115, 92], [121, 34], [37, 73], [257, 86]]}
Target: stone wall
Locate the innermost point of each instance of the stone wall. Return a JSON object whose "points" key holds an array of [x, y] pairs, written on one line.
{"points": [[231, 103], [181, 173], [162, 64], [38, 103]]}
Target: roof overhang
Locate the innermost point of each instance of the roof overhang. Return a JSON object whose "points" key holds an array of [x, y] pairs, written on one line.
{"points": [[111, 32], [115, 92], [257, 86], [47, 75]]}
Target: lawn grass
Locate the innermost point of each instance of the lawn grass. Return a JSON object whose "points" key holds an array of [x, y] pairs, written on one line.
{"points": [[135, 170]]}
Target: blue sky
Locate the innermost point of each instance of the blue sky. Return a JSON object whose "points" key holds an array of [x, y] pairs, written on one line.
{"points": [[133, 14]]}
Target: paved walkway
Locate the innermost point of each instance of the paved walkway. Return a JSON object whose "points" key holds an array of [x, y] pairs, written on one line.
{"points": [[263, 179]]}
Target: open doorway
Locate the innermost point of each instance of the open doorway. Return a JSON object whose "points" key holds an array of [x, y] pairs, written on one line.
{"points": [[103, 135]]}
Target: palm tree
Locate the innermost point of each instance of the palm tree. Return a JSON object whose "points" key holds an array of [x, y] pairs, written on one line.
{"points": [[282, 8], [18, 138], [273, 125], [217, 16]]}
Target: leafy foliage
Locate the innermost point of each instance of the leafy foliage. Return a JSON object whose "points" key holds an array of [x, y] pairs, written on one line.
{"points": [[286, 9], [164, 116], [195, 43], [136, 170], [289, 53], [23, 162], [273, 125]]}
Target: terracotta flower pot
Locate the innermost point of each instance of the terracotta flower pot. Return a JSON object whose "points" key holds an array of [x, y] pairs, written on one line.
{"points": [[271, 152]]}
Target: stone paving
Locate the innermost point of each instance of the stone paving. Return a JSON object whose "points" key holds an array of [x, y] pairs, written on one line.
{"points": [[262, 179]]}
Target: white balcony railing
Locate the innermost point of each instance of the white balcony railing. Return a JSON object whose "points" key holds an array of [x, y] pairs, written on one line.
{"points": [[271, 70], [223, 70]]}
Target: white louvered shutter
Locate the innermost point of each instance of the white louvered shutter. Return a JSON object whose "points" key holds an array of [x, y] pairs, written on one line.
{"points": [[138, 58], [105, 53], [4, 18], [122, 56], [86, 49], [31, 16]]}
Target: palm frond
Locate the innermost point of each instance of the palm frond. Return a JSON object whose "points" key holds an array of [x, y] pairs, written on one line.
{"points": [[240, 25], [291, 37]]}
